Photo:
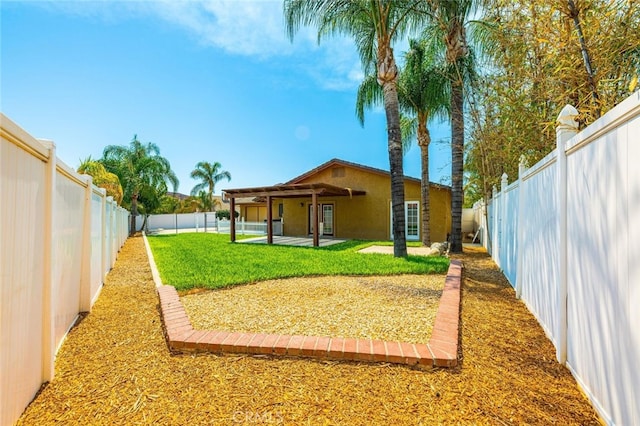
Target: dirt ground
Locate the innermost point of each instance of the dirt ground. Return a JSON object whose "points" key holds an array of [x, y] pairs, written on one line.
{"points": [[115, 368]]}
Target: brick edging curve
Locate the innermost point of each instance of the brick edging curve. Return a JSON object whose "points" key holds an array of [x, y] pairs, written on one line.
{"points": [[441, 351]]}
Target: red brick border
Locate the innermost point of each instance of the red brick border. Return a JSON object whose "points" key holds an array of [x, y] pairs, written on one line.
{"points": [[441, 351]]}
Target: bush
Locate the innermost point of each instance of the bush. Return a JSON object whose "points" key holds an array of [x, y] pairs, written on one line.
{"points": [[224, 214]]}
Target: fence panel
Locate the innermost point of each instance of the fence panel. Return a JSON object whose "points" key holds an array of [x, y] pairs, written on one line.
{"points": [[97, 215], [539, 247], [67, 239], [49, 219], [603, 185], [21, 285], [108, 224], [577, 253], [191, 221], [509, 242]]}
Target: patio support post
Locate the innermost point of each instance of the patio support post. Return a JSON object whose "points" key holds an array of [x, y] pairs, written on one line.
{"points": [[314, 210], [232, 218], [269, 221]]}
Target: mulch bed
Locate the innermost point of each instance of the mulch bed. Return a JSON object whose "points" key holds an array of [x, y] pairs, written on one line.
{"points": [[392, 308], [115, 368]]}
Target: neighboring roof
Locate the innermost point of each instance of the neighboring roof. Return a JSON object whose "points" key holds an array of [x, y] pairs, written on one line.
{"points": [[247, 200], [183, 197], [338, 162], [292, 191], [177, 195]]}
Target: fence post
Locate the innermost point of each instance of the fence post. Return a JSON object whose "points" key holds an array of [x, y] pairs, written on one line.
{"points": [[48, 293], [566, 128], [85, 277], [503, 220], [520, 232], [494, 220]]}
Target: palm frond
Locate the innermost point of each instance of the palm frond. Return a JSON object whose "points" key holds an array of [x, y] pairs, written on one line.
{"points": [[369, 95]]}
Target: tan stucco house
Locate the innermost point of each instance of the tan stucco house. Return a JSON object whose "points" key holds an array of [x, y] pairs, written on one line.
{"points": [[353, 201]]}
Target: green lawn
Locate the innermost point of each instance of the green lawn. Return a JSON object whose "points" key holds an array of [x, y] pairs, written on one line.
{"points": [[188, 261]]}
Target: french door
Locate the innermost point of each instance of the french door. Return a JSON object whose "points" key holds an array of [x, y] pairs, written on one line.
{"points": [[411, 220], [326, 219]]}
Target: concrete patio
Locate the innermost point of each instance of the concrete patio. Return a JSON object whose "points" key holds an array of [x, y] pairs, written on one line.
{"points": [[293, 241]]}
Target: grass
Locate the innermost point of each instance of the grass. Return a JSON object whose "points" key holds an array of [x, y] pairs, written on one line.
{"points": [[188, 261]]}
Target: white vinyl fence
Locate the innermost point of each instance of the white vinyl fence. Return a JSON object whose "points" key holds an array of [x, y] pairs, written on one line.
{"points": [[59, 236], [202, 222], [567, 236]]}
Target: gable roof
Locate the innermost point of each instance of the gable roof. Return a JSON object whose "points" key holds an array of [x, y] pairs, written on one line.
{"points": [[339, 162]]}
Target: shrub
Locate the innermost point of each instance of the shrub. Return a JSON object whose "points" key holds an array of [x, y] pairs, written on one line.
{"points": [[224, 214]]}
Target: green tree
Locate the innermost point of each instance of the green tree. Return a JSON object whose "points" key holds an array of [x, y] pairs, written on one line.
{"points": [[422, 96], [143, 172], [102, 178], [374, 25], [209, 175], [549, 54], [168, 204]]}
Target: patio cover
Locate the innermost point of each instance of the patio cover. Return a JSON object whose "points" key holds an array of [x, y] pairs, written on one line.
{"points": [[299, 190]]}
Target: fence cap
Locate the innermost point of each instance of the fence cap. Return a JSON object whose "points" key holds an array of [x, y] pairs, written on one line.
{"points": [[566, 118]]}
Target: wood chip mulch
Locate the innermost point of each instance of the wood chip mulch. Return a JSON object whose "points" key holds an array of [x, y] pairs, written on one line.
{"points": [[392, 308], [115, 368]]}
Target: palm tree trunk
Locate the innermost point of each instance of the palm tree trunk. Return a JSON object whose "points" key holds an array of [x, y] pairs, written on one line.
{"points": [[457, 150], [387, 76], [423, 141], [134, 214]]}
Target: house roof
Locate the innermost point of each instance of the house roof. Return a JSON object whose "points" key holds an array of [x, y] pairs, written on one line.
{"points": [[293, 191], [294, 188], [338, 162]]}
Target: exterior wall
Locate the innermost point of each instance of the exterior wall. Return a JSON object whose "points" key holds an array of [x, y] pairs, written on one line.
{"points": [[258, 212], [364, 216], [440, 212], [56, 249]]}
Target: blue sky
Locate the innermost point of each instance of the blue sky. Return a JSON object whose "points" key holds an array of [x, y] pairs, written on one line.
{"points": [[204, 80]]}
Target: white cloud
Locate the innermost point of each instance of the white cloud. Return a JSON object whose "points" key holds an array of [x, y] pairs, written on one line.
{"points": [[252, 28], [339, 67], [256, 29]]}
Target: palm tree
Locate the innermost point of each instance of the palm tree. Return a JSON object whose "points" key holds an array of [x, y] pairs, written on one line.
{"points": [[209, 174], [422, 95], [447, 30], [374, 25], [143, 172]]}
